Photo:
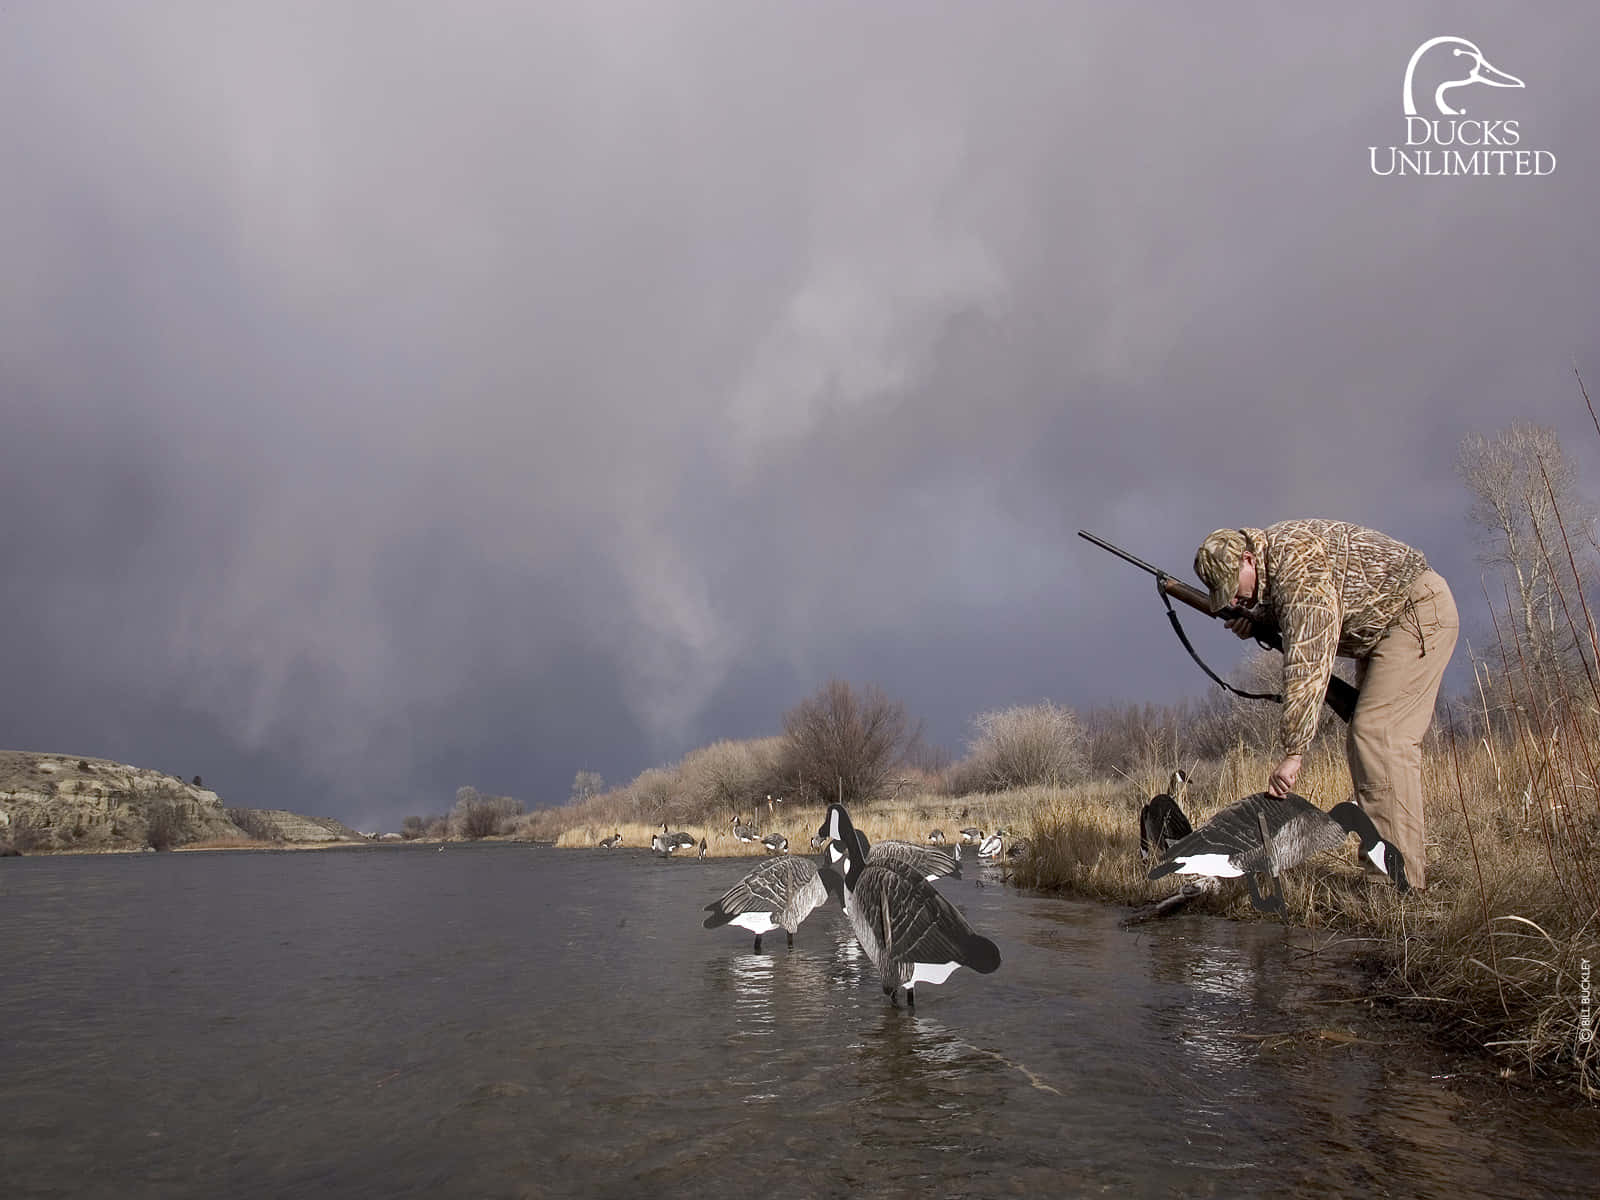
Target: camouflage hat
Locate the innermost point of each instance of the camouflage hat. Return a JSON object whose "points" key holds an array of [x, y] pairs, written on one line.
{"points": [[1217, 563]]}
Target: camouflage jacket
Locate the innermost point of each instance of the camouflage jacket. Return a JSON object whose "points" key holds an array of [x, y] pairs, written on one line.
{"points": [[1333, 589]]}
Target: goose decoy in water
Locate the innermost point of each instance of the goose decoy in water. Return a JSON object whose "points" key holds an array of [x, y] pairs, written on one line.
{"points": [[1266, 833], [745, 833], [1161, 820], [663, 843], [911, 933], [780, 893], [776, 843], [972, 835], [936, 837], [612, 842], [931, 862]]}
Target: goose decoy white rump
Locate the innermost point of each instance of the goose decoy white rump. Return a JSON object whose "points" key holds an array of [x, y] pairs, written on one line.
{"points": [[911, 933], [1266, 833], [780, 893]]}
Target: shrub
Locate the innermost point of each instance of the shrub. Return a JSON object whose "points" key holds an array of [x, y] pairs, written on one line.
{"points": [[164, 824], [842, 744], [1040, 745], [479, 816]]}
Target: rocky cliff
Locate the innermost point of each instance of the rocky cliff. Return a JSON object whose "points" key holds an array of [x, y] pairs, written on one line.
{"points": [[68, 802]]}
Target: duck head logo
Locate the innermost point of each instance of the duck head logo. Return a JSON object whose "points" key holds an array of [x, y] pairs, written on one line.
{"points": [[1440, 138], [1478, 70]]}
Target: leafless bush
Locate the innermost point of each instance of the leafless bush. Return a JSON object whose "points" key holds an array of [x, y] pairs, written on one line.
{"points": [[414, 827], [164, 822], [841, 743], [1026, 746], [479, 816]]}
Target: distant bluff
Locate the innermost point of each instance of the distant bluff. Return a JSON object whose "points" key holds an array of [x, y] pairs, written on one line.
{"points": [[70, 802]]}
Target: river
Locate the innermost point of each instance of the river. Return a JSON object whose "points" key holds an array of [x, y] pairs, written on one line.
{"points": [[517, 1021]]}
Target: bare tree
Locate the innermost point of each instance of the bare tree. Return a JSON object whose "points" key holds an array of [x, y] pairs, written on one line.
{"points": [[479, 816], [843, 743], [1521, 479], [586, 785]]}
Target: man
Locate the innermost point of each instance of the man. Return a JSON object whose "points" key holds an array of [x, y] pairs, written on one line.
{"points": [[1333, 588]]}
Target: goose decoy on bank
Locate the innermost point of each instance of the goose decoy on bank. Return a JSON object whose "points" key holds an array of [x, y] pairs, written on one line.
{"points": [[745, 833], [612, 842], [911, 933], [702, 847], [776, 843], [682, 840], [936, 837], [780, 893], [1269, 834], [1161, 820], [972, 836], [662, 843]]}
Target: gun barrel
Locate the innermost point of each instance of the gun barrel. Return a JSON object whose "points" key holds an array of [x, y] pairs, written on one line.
{"points": [[1119, 552]]}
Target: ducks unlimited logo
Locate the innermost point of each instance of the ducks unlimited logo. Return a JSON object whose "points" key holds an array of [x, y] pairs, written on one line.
{"points": [[1451, 143]]}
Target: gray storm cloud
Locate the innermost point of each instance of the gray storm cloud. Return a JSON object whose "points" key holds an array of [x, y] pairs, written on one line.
{"points": [[398, 396]]}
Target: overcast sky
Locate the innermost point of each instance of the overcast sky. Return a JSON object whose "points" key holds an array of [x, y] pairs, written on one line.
{"points": [[398, 397]]}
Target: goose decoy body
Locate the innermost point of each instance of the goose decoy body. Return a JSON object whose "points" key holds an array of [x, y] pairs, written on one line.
{"points": [[776, 843], [1161, 820], [745, 833], [936, 837], [931, 862], [702, 847], [1268, 834], [911, 933], [991, 846], [612, 842], [780, 893], [972, 835]]}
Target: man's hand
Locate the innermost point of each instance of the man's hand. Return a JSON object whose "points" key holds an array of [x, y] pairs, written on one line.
{"points": [[1282, 780], [1243, 627]]}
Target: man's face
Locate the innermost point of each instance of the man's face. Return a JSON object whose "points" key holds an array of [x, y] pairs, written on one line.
{"points": [[1244, 595]]}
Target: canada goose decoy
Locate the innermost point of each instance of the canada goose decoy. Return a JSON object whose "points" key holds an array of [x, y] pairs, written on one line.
{"points": [[660, 843], [776, 843], [781, 892], [972, 836], [702, 847], [936, 837], [745, 833], [911, 933], [612, 842], [930, 862], [1266, 833], [1161, 820]]}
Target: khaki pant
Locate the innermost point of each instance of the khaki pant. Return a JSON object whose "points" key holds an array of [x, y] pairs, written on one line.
{"points": [[1399, 683]]}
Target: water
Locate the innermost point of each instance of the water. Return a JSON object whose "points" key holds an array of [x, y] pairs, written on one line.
{"points": [[517, 1021]]}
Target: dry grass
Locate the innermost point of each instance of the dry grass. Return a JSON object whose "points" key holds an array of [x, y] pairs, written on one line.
{"points": [[1493, 951]]}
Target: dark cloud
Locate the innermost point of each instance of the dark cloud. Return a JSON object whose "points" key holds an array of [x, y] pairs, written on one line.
{"points": [[404, 397]]}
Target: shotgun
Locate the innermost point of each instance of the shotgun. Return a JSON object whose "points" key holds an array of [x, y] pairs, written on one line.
{"points": [[1340, 696]]}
